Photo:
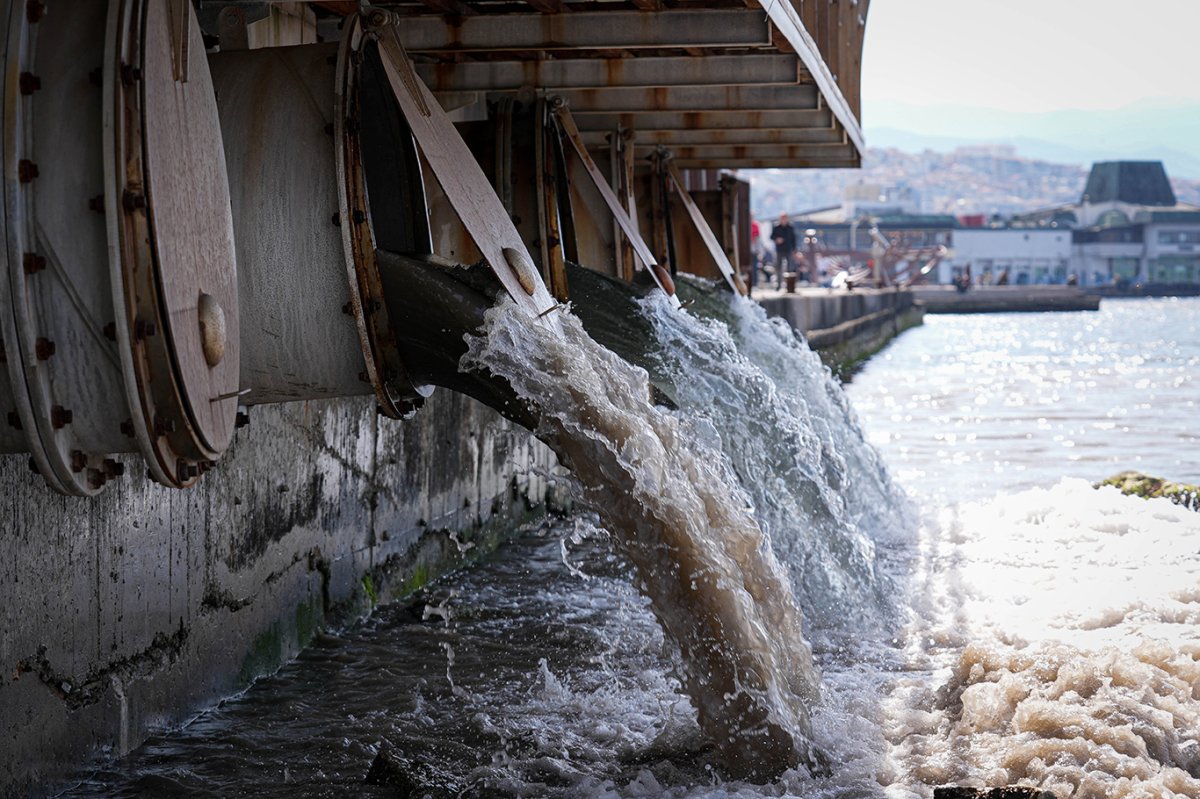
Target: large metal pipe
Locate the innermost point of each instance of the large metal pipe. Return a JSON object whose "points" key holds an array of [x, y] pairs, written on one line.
{"points": [[322, 169]]}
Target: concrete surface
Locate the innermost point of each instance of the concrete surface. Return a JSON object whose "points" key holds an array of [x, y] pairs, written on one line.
{"points": [[844, 327], [129, 612], [1002, 299]]}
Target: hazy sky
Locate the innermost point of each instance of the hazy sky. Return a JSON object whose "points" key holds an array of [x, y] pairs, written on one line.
{"points": [[1031, 55]]}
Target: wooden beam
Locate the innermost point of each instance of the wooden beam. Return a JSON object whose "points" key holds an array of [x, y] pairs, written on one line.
{"points": [[453, 8], [814, 137], [707, 120], [690, 98], [784, 16], [588, 30], [602, 73]]}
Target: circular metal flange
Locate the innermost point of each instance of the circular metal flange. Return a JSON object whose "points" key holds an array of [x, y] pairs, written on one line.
{"points": [[59, 296], [171, 238], [398, 396], [17, 433]]}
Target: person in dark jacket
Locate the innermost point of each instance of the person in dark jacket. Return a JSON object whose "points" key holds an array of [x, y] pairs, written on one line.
{"points": [[784, 237]]}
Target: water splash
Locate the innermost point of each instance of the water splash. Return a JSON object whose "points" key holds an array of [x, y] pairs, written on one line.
{"points": [[818, 489], [679, 515]]}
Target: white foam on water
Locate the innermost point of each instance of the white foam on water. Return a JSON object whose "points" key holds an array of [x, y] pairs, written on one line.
{"points": [[1054, 642]]}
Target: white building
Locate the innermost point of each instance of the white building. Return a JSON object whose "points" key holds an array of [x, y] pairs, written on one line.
{"points": [[1027, 255]]}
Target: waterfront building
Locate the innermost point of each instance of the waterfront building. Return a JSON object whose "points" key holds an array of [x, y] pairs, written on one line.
{"points": [[1024, 255], [1128, 227]]}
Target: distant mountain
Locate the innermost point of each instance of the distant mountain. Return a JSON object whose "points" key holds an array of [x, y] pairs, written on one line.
{"points": [[987, 179], [1160, 129]]}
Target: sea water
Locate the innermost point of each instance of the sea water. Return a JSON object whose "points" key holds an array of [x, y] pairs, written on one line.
{"points": [[1035, 630]]}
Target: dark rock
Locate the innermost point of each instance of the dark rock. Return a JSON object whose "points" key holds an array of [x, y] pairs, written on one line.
{"points": [[1013, 792], [410, 778]]}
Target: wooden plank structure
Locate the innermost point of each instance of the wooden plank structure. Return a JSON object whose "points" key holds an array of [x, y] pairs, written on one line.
{"points": [[729, 84]]}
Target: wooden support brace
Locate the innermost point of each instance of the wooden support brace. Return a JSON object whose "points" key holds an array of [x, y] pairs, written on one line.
{"points": [[550, 235], [460, 176], [710, 240], [567, 123]]}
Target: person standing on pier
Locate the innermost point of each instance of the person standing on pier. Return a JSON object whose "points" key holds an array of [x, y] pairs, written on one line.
{"points": [[785, 242]]}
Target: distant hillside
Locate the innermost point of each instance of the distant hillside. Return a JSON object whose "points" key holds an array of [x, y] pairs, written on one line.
{"points": [[968, 180], [1162, 129]]}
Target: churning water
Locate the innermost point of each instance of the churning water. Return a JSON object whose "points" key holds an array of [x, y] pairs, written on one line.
{"points": [[1014, 628]]}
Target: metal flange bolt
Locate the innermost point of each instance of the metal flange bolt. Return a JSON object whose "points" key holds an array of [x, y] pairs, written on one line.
{"points": [[33, 263], [60, 417]]}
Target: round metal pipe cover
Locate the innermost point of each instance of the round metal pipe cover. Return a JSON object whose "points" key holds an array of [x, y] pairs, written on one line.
{"points": [[171, 235]]}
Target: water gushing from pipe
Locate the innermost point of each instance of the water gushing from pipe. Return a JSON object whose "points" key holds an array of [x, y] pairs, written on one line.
{"points": [[681, 517]]}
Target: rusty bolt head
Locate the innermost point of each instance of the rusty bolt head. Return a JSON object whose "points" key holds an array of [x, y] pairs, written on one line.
{"points": [[43, 348], [127, 428], [14, 421], [364, 377], [96, 203], [242, 418], [110, 331], [26, 170], [33, 263], [186, 470], [96, 479], [358, 216], [372, 306], [113, 468], [337, 219], [33, 467], [60, 417], [163, 426], [133, 200], [29, 83], [143, 329], [348, 308], [35, 10], [130, 74], [78, 461]]}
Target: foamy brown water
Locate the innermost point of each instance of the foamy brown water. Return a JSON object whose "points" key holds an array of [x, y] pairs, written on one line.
{"points": [[1054, 642]]}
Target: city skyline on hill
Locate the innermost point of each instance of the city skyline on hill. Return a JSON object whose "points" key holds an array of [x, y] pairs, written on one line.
{"points": [[982, 179]]}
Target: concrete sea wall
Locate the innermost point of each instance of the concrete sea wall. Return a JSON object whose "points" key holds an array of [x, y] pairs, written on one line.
{"points": [[845, 327], [129, 612]]}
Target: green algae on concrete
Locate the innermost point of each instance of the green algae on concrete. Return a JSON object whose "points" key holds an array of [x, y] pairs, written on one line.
{"points": [[1147, 487]]}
